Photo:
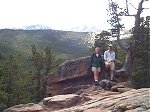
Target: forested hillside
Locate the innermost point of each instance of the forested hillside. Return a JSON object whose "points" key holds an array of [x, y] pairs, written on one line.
{"points": [[28, 56], [66, 44]]}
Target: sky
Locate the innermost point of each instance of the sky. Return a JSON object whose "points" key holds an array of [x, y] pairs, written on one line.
{"points": [[58, 14]]}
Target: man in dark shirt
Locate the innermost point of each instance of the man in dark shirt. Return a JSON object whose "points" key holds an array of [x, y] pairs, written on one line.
{"points": [[96, 63]]}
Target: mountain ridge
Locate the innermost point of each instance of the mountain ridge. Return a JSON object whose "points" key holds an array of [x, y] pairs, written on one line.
{"points": [[63, 42], [82, 28]]}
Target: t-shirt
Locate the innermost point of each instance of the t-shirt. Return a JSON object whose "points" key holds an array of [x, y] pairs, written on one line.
{"points": [[97, 55], [109, 55]]}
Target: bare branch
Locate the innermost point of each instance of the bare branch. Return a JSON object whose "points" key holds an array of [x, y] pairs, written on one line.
{"points": [[132, 6], [120, 43], [131, 15]]}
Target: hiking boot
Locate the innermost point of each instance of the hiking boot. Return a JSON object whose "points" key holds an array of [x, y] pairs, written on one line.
{"points": [[96, 83], [114, 80]]}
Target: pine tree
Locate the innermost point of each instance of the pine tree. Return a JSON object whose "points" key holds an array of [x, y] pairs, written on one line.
{"points": [[43, 63]]}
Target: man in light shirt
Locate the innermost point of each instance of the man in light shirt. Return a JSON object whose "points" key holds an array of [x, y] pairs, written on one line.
{"points": [[109, 57]]}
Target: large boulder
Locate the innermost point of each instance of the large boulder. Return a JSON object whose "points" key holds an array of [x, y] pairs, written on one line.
{"points": [[70, 69], [61, 101], [69, 77]]}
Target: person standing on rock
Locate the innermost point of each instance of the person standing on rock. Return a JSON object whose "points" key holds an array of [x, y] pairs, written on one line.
{"points": [[109, 57], [96, 63]]}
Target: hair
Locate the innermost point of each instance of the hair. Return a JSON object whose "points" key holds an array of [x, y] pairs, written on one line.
{"points": [[97, 47]]}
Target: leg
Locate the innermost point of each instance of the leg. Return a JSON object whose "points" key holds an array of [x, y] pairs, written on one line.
{"points": [[107, 65], [111, 75], [107, 70], [112, 68], [96, 71], [96, 75]]}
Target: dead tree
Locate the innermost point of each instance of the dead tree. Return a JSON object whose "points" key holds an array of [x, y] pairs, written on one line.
{"points": [[115, 22]]}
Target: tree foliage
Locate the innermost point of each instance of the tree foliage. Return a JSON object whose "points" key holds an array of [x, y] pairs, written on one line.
{"points": [[102, 40], [13, 85], [21, 85], [141, 54], [137, 52]]}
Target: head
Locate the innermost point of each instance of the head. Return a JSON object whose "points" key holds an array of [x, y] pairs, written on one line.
{"points": [[97, 50], [110, 47]]}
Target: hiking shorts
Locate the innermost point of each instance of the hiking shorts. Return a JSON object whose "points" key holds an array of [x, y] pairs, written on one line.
{"points": [[98, 69], [111, 64]]}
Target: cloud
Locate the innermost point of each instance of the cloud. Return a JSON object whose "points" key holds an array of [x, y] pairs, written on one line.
{"points": [[59, 14]]}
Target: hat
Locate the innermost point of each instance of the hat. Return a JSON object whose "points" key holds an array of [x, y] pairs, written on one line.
{"points": [[110, 45]]}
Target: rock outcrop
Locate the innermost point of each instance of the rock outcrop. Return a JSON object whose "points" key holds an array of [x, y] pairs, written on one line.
{"points": [[107, 101], [69, 77], [30, 107], [61, 101], [70, 89], [92, 99]]}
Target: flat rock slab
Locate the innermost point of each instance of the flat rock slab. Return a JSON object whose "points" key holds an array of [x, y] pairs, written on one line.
{"points": [[120, 88], [130, 101], [61, 101], [31, 107]]}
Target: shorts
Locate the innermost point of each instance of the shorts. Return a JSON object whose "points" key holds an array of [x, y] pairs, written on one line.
{"points": [[111, 64], [98, 69]]}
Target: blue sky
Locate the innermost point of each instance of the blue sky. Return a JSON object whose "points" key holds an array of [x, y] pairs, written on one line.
{"points": [[58, 14]]}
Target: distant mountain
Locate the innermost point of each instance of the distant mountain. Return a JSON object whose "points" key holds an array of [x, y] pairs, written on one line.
{"points": [[36, 27], [85, 29], [66, 44]]}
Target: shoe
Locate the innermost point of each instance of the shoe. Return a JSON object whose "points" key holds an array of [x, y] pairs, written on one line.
{"points": [[96, 83], [114, 80]]}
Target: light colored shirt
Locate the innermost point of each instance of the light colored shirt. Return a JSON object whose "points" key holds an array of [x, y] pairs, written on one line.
{"points": [[109, 56], [97, 55]]}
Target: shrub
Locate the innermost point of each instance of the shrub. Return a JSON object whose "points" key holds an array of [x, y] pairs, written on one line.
{"points": [[141, 79]]}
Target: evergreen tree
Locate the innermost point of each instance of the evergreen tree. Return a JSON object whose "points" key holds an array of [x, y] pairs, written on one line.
{"points": [[47, 67], [13, 83], [3, 95], [102, 40], [43, 63]]}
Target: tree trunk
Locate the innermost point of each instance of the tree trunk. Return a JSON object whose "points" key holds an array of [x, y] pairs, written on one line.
{"points": [[128, 65], [128, 62], [38, 88], [136, 33]]}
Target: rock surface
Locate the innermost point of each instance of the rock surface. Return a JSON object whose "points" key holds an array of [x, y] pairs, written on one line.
{"points": [[107, 101], [31, 107], [71, 90], [61, 101], [92, 99], [69, 77]]}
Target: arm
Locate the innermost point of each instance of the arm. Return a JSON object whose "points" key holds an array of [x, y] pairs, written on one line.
{"points": [[102, 62], [113, 57], [91, 59], [105, 55]]}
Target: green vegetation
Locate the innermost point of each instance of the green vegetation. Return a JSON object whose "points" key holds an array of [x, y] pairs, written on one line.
{"points": [[137, 63], [66, 44], [13, 82], [141, 56], [26, 59], [21, 84]]}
